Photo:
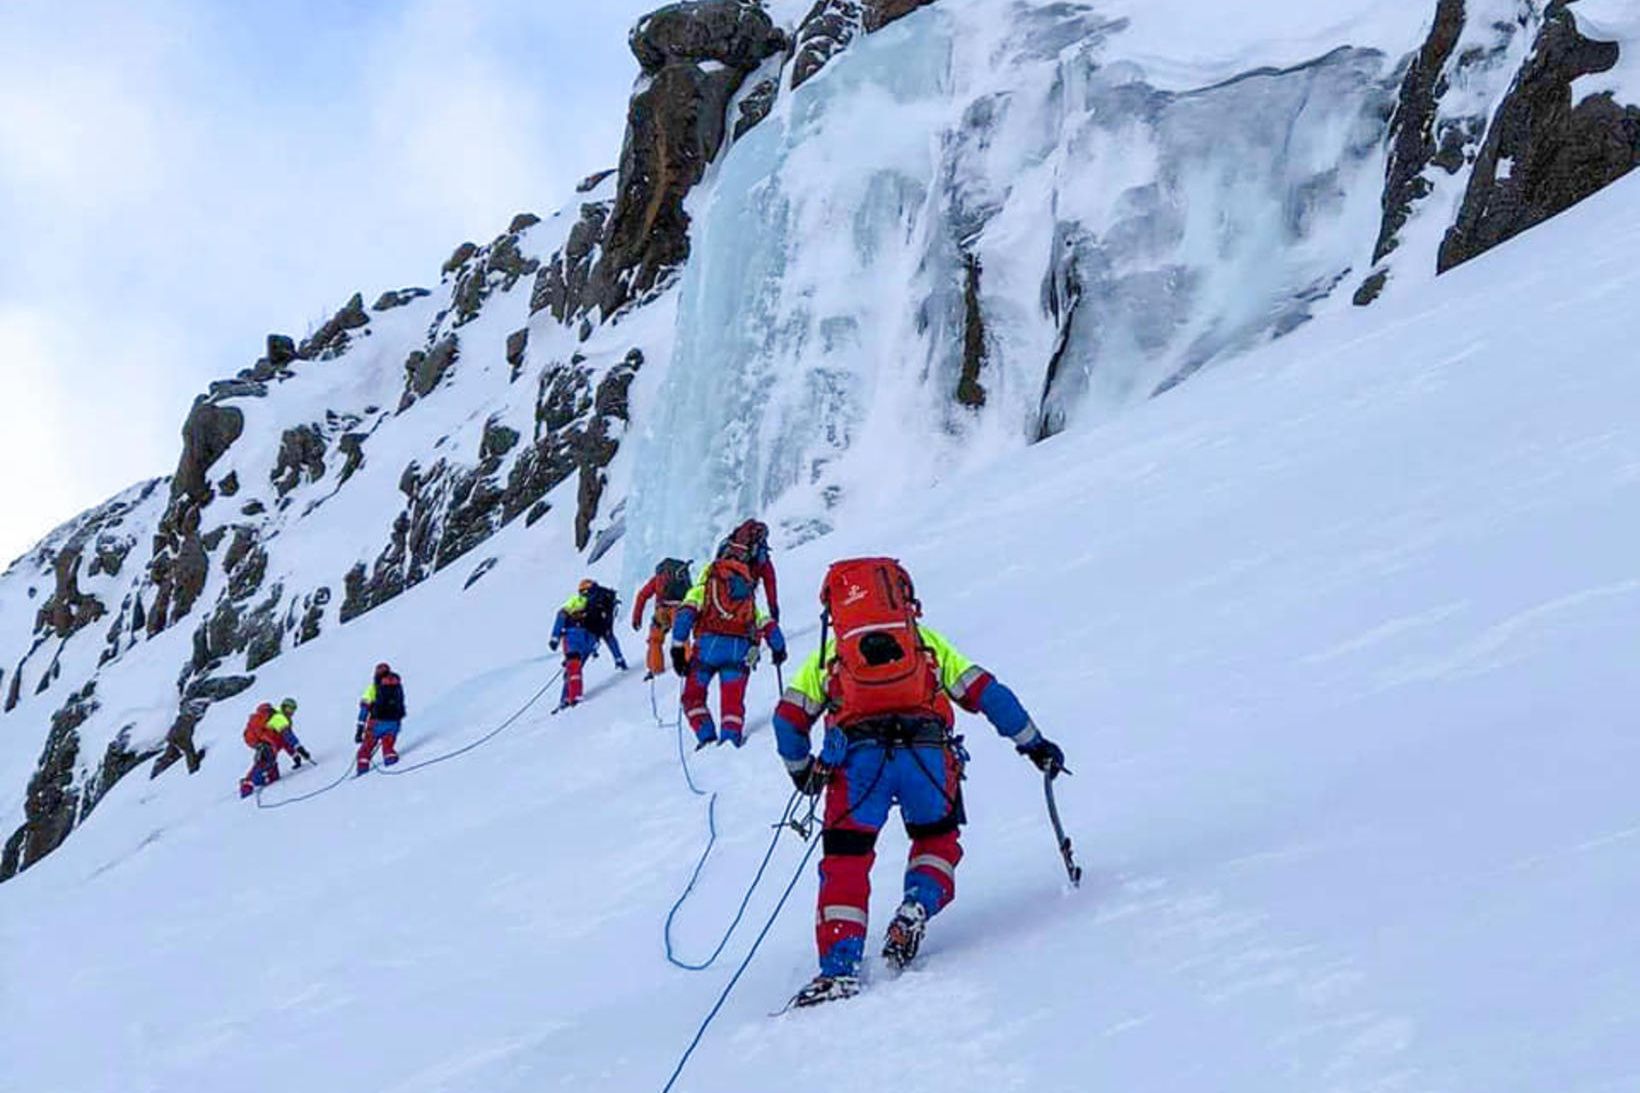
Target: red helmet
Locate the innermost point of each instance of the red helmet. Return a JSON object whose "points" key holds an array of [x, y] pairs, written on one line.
{"points": [[382, 669], [586, 586]]}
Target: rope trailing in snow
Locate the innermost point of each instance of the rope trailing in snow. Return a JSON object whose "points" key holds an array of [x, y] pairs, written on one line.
{"points": [[347, 772], [717, 1006], [485, 739], [745, 901], [672, 956], [320, 792]]}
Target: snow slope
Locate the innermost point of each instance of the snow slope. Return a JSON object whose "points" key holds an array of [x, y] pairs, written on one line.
{"points": [[1339, 643]]}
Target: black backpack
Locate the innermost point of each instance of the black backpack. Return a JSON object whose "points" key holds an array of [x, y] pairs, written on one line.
{"points": [[389, 704], [599, 616], [675, 581]]}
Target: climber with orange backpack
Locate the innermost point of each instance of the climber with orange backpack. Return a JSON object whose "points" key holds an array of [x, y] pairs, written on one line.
{"points": [[269, 732], [668, 587], [720, 613], [886, 683], [749, 544]]}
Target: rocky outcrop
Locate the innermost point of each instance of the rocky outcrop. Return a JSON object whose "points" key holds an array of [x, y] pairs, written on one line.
{"points": [[387, 301], [485, 271], [332, 339], [755, 105], [563, 284], [425, 368], [51, 807], [68, 610], [970, 392], [211, 428], [694, 57], [301, 458], [831, 25], [1544, 152], [1414, 142]]}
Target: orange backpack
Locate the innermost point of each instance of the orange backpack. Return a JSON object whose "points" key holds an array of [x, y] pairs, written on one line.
{"points": [[879, 666], [730, 604], [256, 729]]}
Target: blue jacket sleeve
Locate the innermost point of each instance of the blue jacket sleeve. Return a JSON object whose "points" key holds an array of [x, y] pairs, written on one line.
{"points": [[683, 625], [559, 623], [1004, 711], [776, 640]]}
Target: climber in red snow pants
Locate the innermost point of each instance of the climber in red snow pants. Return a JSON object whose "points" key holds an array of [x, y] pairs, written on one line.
{"points": [[886, 684], [381, 714]]}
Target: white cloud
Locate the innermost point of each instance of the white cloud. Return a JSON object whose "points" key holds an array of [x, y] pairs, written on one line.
{"points": [[178, 178]]}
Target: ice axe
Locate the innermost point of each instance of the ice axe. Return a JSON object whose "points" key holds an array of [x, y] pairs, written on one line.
{"points": [[1072, 870]]}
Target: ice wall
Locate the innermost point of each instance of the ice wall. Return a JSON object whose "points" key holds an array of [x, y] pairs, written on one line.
{"points": [[993, 201]]}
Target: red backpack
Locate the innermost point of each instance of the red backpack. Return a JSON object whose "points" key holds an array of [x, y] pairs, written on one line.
{"points": [[256, 729], [879, 666], [730, 603]]}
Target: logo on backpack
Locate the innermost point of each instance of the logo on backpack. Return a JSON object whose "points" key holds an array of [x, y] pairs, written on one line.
{"points": [[879, 668]]}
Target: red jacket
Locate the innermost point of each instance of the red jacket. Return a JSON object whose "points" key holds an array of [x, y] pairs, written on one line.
{"points": [[651, 590]]}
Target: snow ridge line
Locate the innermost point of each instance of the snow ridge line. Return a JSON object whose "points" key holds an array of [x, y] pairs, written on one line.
{"points": [[425, 763]]}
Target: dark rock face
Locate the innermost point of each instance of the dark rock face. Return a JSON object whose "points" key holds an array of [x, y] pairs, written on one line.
{"points": [[209, 431], [119, 759], [301, 458], [694, 55], [52, 805], [1412, 130], [969, 390], [755, 105], [387, 301], [281, 350], [497, 267], [1544, 153], [522, 222], [332, 339], [563, 284], [424, 369], [831, 25], [68, 610], [735, 33], [517, 342]]}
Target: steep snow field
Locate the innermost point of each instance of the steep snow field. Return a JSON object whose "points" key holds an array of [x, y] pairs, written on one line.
{"points": [[1339, 642]]}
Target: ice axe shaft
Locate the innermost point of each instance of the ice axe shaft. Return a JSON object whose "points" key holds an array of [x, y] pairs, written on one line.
{"points": [[1072, 870]]}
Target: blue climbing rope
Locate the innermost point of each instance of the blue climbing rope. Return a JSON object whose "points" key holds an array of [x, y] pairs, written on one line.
{"points": [[486, 738], [310, 795], [717, 1006], [751, 890]]}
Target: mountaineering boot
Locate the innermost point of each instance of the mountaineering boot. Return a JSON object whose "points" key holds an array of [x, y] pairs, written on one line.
{"points": [[905, 934], [827, 988]]}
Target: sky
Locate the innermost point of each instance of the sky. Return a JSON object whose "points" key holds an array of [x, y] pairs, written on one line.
{"points": [[180, 177]]}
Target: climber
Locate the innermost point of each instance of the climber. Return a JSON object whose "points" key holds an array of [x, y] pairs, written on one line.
{"points": [[749, 544], [668, 587], [381, 712], [585, 618], [886, 683], [269, 732], [720, 613]]}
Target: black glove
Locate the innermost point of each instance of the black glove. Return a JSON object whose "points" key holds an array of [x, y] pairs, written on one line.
{"points": [[810, 778], [778, 656], [680, 660], [1047, 756], [553, 645], [358, 734], [296, 760]]}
